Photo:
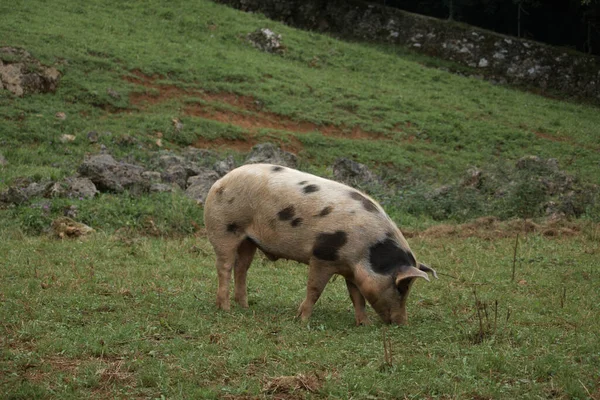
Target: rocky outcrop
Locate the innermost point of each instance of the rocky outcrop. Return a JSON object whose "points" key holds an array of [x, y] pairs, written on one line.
{"points": [[271, 154], [353, 173], [266, 40], [21, 73], [112, 176], [492, 55]]}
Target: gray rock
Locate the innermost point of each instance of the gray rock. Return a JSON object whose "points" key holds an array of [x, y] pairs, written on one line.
{"points": [[152, 176], [73, 187], [266, 40], [162, 188], [353, 173], [112, 176], [20, 194], [198, 155], [70, 211], [199, 185], [271, 154], [92, 136], [24, 74], [37, 189], [222, 167], [13, 195], [176, 174], [169, 160]]}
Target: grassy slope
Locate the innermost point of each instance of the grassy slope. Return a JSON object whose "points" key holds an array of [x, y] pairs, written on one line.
{"points": [[119, 316], [456, 122]]}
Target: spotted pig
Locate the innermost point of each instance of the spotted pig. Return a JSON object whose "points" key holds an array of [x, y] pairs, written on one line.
{"points": [[333, 228]]}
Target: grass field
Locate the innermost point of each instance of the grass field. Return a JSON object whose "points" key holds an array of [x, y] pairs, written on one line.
{"points": [[135, 317], [128, 313]]}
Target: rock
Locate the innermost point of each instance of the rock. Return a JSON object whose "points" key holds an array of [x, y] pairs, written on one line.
{"points": [[13, 195], [224, 166], [65, 227], [473, 178], [176, 174], [538, 164], [92, 136], [23, 74], [113, 93], [177, 124], [198, 155], [70, 211], [112, 176], [60, 115], [152, 176], [37, 189], [199, 185], [271, 154], [266, 40], [161, 188], [67, 138], [352, 172], [73, 187], [169, 160]]}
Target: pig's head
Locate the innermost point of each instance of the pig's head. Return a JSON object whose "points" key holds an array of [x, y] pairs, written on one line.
{"points": [[394, 270]]}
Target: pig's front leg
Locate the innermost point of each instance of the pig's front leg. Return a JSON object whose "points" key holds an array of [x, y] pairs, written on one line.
{"points": [[319, 274], [358, 300]]}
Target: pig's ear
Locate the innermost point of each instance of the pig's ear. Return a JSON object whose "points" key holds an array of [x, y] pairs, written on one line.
{"points": [[410, 272], [427, 268]]}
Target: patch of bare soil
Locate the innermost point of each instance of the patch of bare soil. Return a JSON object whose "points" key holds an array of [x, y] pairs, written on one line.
{"points": [[110, 371], [242, 111], [493, 228], [292, 384]]}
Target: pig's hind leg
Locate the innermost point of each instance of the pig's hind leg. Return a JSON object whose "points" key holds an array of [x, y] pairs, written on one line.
{"points": [[226, 250], [245, 254]]}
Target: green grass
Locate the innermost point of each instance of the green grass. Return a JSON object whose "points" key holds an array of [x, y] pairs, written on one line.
{"points": [[456, 121], [135, 317], [124, 314]]}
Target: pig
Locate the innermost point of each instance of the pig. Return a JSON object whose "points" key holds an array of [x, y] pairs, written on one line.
{"points": [[329, 226]]}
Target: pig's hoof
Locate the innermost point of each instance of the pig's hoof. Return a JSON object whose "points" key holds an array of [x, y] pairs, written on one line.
{"points": [[243, 304], [223, 305], [363, 321]]}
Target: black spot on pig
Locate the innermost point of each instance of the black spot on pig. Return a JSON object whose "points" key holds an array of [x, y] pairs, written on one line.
{"points": [[327, 245], [387, 256], [324, 212], [310, 189], [302, 182], [297, 222], [233, 228], [276, 168], [287, 213], [367, 204]]}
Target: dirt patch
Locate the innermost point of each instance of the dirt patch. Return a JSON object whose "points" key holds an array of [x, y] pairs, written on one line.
{"points": [[110, 371], [493, 228], [243, 111], [291, 384]]}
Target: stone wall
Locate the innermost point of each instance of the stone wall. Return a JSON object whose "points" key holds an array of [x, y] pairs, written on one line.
{"points": [[501, 58]]}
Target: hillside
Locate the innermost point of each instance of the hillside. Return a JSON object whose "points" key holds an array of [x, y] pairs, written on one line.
{"points": [[133, 72], [107, 278]]}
